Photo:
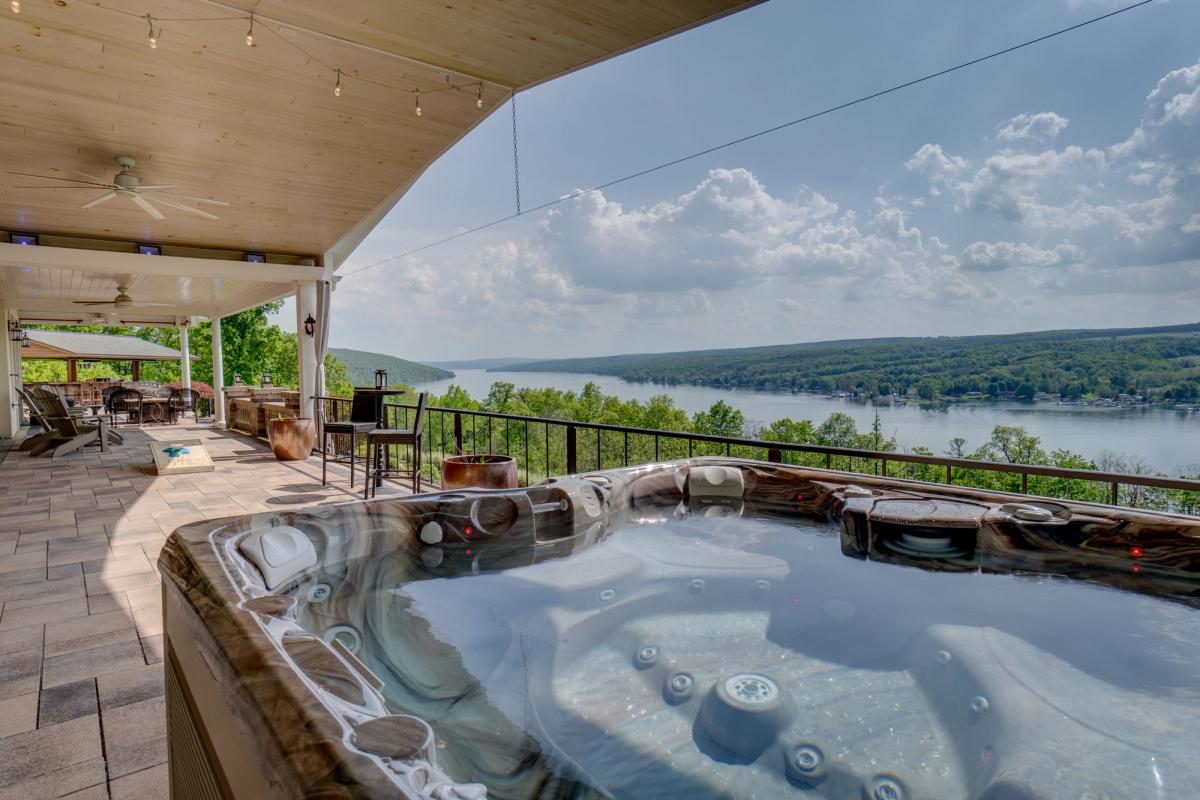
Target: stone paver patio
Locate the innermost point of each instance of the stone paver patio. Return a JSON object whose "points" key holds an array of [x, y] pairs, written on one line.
{"points": [[81, 679]]}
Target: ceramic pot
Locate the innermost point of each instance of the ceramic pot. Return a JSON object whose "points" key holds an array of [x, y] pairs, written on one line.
{"points": [[479, 472], [292, 439]]}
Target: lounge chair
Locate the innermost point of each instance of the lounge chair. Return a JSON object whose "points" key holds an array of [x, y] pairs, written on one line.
{"points": [[71, 432]]}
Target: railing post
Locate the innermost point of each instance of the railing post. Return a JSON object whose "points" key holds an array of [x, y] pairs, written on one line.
{"points": [[1024, 483], [949, 474], [1116, 488], [571, 450], [775, 455], [458, 440]]}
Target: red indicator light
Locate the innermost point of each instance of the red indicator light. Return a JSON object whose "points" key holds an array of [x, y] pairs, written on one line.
{"points": [[1136, 568], [1136, 552], [467, 531]]}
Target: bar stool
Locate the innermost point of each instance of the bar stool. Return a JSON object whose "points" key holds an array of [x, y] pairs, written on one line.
{"points": [[362, 421], [386, 437]]}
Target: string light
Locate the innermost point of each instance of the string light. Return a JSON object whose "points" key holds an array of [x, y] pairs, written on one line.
{"points": [[285, 35]]}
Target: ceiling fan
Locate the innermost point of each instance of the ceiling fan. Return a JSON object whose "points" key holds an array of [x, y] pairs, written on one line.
{"points": [[126, 184], [122, 300]]}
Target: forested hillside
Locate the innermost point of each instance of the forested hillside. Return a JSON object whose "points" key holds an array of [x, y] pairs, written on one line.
{"points": [[361, 366], [1160, 363]]}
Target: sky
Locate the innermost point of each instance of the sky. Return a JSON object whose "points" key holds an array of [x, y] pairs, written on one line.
{"points": [[1056, 187]]}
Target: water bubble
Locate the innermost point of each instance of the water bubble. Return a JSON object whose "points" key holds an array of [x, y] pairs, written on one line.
{"points": [[979, 704]]}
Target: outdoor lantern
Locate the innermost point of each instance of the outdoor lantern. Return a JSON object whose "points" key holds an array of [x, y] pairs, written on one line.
{"points": [[25, 339], [380, 378], [266, 379], [310, 325], [15, 333]]}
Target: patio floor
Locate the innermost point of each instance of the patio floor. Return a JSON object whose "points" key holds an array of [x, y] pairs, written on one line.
{"points": [[81, 680]]}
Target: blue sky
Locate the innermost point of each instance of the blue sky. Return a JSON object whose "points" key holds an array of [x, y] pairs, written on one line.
{"points": [[1055, 187]]}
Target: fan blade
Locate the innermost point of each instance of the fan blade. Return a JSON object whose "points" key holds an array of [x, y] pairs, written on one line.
{"points": [[144, 188], [144, 205], [103, 184], [104, 198], [90, 177], [182, 207], [157, 305], [87, 188], [94, 302], [208, 200]]}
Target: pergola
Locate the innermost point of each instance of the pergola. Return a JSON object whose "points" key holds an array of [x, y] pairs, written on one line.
{"points": [[307, 130], [73, 347]]}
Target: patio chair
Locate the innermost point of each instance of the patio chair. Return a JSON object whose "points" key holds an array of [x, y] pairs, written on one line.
{"points": [[379, 468], [70, 431], [125, 401], [182, 401], [362, 420], [38, 418]]}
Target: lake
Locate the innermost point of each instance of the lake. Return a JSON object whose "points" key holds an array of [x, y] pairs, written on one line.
{"points": [[1167, 440]]}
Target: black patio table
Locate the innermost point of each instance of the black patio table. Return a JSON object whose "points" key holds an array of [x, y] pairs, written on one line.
{"points": [[380, 417]]}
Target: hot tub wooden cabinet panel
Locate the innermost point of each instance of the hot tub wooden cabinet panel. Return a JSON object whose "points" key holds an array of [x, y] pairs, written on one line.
{"points": [[699, 628]]}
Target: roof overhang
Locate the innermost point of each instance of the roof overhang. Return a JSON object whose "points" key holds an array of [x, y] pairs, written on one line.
{"points": [[306, 173]]}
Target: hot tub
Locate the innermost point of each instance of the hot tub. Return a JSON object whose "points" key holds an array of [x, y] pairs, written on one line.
{"points": [[701, 628]]}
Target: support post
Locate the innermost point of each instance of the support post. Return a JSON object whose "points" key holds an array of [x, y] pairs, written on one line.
{"points": [[306, 354], [571, 450], [137, 370], [218, 374], [72, 370], [185, 357], [10, 377]]}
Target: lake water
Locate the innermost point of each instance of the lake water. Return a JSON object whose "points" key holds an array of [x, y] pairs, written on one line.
{"points": [[1168, 441]]}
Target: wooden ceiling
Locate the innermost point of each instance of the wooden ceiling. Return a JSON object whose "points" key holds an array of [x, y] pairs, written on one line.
{"points": [[305, 172]]}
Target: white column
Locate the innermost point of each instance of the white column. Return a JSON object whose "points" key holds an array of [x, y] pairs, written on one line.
{"points": [[306, 304], [218, 362], [185, 359], [10, 375]]}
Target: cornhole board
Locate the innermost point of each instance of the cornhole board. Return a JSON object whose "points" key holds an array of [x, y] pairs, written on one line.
{"points": [[180, 457]]}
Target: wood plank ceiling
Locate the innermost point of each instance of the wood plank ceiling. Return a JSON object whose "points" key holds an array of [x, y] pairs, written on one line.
{"points": [[260, 127]]}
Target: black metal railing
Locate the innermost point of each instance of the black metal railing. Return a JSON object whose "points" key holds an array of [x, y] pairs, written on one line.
{"points": [[545, 447]]}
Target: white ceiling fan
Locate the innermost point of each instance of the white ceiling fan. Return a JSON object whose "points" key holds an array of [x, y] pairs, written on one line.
{"points": [[126, 184], [122, 300]]}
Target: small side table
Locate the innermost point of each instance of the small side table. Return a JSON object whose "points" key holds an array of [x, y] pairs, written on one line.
{"points": [[380, 416]]}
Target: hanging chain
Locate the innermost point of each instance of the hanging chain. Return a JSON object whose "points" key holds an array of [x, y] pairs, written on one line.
{"points": [[516, 162]]}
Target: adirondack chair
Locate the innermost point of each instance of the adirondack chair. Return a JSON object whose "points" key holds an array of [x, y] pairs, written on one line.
{"points": [[48, 430], [71, 431]]}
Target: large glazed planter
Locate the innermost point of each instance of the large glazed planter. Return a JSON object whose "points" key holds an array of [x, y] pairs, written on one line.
{"points": [[292, 439], [479, 472]]}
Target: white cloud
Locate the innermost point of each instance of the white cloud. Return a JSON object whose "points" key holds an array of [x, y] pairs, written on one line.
{"points": [[932, 162], [1045, 125], [995, 256]]}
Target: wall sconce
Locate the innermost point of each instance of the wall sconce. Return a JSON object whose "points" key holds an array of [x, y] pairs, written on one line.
{"points": [[14, 331], [25, 339], [380, 378], [310, 325]]}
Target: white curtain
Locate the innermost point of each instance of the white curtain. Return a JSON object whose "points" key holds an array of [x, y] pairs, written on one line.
{"points": [[321, 338]]}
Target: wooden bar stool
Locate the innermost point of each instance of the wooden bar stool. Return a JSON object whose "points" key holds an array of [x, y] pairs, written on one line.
{"points": [[386, 437], [362, 421]]}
